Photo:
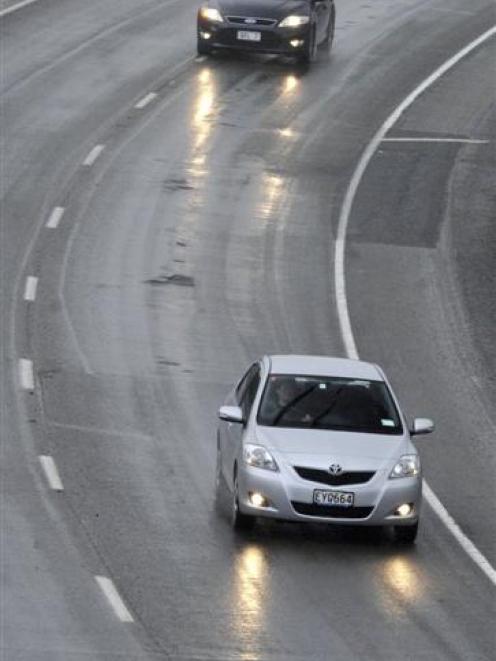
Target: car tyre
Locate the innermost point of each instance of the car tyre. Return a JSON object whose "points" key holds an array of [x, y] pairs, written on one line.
{"points": [[310, 52], [406, 534], [202, 48], [218, 479], [329, 38], [239, 521]]}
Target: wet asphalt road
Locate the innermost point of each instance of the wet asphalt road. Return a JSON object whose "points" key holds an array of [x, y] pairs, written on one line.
{"points": [[201, 237]]}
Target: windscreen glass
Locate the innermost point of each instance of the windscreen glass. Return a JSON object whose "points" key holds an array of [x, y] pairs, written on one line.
{"points": [[328, 403]]}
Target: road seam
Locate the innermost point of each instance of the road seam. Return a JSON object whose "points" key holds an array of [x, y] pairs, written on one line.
{"points": [[462, 141], [340, 282]]}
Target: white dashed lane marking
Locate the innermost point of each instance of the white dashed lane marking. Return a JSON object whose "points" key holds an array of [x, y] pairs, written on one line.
{"points": [[146, 100], [26, 375], [55, 217], [93, 155], [114, 599], [51, 472], [30, 288]]}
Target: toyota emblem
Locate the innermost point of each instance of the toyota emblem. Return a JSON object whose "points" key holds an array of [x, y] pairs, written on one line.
{"points": [[335, 469]]}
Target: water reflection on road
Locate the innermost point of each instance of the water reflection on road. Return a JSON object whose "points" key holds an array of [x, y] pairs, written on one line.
{"points": [[251, 587], [401, 585]]}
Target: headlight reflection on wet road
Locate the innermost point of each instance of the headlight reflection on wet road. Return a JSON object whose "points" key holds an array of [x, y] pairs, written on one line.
{"points": [[287, 133], [290, 83], [251, 587], [271, 194], [405, 586], [201, 125]]}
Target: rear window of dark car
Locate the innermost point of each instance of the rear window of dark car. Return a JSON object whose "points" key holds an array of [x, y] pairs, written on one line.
{"points": [[323, 402]]}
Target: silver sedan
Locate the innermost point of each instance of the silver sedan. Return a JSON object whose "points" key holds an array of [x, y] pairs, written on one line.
{"points": [[319, 439]]}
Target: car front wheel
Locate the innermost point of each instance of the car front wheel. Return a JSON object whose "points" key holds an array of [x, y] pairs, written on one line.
{"points": [[202, 48], [310, 52], [218, 477], [405, 534], [329, 38]]}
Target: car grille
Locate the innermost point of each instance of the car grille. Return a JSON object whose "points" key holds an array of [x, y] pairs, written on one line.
{"points": [[241, 20], [328, 511], [324, 477]]}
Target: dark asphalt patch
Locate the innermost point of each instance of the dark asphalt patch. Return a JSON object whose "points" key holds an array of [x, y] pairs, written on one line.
{"points": [[401, 199], [174, 185], [174, 279]]}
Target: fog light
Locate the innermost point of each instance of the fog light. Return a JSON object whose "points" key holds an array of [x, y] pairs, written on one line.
{"points": [[205, 35], [296, 42], [257, 500], [404, 510]]}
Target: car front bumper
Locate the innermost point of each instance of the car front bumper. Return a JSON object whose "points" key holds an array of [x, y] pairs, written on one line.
{"points": [[290, 498], [273, 40]]}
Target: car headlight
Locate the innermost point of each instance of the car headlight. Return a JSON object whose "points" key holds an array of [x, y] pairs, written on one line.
{"points": [[211, 14], [258, 456], [293, 21], [407, 466]]}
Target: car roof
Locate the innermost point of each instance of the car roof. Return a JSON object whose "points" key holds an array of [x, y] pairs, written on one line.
{"points": [[324, 366]]}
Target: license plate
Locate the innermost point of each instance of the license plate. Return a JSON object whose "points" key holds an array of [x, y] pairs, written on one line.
{"points": [[335, 498], [249, 35]]}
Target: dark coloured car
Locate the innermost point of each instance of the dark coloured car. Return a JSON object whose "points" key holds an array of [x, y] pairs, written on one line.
{"points": [[286, 27]]}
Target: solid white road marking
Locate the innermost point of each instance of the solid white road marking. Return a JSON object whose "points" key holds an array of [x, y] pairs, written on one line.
{"points": [[26, 375], [340, 282], [146, 100], [455, 529], [30, 288], [93, 155], [55, 217], [51, 472], [467, 141], [15, 7], [119, 607]]}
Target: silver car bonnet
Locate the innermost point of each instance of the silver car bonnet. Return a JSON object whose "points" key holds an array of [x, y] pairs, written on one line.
{"points": [[318, 448]]}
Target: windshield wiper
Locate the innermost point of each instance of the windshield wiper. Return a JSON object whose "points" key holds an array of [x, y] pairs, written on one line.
{"points": [[327, 410]]}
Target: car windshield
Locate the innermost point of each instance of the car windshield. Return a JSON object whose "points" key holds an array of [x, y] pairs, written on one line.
{"points": [[323, 402]]}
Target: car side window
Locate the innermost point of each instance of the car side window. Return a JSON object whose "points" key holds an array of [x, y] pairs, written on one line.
{"points": [[249, 390]]}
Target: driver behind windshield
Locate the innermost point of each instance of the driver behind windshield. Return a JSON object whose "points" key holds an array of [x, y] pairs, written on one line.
{"points": [[328, 403]]}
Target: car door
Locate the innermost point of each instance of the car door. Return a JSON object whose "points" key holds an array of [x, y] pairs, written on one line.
{"points": [[245, 394], [230, 432]]}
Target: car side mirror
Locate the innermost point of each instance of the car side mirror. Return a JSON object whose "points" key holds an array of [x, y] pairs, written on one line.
{"points": [[422, 426], [231, 414]]}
